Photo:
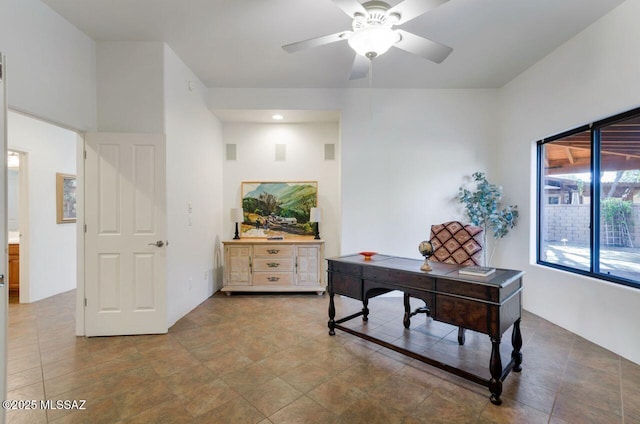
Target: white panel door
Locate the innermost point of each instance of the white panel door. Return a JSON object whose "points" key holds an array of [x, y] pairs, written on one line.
{"points": [[4, 289], [125, 239]]}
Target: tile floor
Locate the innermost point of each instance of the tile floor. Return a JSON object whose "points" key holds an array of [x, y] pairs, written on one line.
{"points": [[269, 359]]}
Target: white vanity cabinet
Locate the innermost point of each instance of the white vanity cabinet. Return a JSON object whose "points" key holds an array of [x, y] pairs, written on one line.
{"points": [[257, 265]]}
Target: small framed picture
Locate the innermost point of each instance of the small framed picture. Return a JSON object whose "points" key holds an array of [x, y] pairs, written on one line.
{"points": [[66, 198]]}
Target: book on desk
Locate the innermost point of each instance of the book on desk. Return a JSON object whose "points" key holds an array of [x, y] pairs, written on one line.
{"points": [[477, 271]]}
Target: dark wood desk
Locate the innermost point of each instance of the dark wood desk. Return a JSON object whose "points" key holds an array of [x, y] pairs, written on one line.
{"points": [[488, 305]]}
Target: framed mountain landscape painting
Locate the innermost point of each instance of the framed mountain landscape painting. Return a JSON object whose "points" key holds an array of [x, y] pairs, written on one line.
{"points": [[273, 209]]}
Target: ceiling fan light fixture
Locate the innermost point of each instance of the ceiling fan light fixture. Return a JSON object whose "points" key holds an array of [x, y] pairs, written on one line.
{"points": [[373, 41]]}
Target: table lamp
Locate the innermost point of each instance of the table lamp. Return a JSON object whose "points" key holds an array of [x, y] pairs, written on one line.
{"points": [[315, 215], [237, 215]]}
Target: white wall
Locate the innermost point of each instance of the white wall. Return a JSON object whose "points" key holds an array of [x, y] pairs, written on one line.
{"points": [[593, 76], [304, 162], [52, 246], [143, 87], [51, 64], [194, 190], [130, 87], [404, 153], [13, 218]]}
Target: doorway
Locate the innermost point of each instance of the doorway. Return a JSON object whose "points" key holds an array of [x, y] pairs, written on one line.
{"points": [[16, 196], [44, 259]]}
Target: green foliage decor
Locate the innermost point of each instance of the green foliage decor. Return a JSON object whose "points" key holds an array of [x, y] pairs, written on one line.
{"points": [[482, 207]]}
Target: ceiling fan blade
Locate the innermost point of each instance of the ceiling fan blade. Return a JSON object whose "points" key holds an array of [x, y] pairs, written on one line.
{"points": [[360, 67], [410, 9], [428, 49], [315, 42], [351, 7]]}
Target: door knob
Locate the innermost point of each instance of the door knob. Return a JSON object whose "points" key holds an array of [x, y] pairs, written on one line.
{"points": [[159, 243]]}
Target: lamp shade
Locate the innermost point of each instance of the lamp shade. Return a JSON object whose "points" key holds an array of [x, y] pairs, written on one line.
{"points": [[237, 215], [315, 215], [373, 41]]}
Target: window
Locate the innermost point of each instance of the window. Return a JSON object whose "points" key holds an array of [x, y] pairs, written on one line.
{"points": [[589, 200]]}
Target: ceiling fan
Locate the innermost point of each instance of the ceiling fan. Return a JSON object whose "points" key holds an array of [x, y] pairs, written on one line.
{"points": [[373, 35]]}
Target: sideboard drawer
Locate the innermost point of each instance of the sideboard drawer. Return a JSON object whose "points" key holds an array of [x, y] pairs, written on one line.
{"points": [[281, 251], [273, 264], [272, 279]]}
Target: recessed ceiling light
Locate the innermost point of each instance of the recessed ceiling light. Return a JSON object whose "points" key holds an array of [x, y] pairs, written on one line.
{"points": [[278, 117]]}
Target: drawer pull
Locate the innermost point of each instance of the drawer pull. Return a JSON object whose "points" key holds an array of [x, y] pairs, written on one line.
{"points": [[273, 251], [273, 264], [273, 278]]}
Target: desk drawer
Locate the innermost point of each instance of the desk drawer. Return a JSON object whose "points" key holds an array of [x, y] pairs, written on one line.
{"points": [[462, 288], [345, 285], [345, 268], [273, 264], [463, 312], [272, 279], [399, 278], [273, 251]]}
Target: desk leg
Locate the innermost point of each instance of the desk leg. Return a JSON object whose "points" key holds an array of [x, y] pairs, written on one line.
{"points": [[461, 337], [407, 311], [332, 315], [495, 366], [365, 309], [516, 341]]}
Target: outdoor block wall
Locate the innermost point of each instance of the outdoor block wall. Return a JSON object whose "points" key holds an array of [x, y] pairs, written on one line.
{"points": [[571, 222]]}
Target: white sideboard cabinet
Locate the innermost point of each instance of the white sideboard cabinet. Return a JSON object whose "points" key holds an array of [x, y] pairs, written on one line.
{"points": [[260, 265]]}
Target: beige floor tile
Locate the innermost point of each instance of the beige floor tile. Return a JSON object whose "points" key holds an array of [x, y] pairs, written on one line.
{"points": [[371, 411], [227, 363], [336, 395], [36, 416], [67, 382], [24, 378], [272, 396], [401, 394], [170, 412], [574, 407], [31, 392], [246, 379], [237, 411], [202, 398], [450, 403], [23, 363], [306, 377], [101, 411], [183, 382], [133, 401], [512, 412], [221, 364], [303, 410]]}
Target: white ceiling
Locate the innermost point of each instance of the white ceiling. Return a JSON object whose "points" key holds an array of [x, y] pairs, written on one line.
{"points": [[265, 116], [237, 43]]}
